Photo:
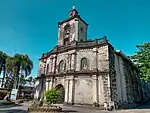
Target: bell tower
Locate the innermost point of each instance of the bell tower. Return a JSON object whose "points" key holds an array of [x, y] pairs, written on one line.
{"points": [[74, 28]]}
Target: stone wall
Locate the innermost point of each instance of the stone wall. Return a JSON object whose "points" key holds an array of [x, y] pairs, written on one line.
{"points": [[86, 53], [83, 90], [78, 31], [127, 81], [120, 80], [81, 87], [112, 73], [61, 31], [82, 33]]}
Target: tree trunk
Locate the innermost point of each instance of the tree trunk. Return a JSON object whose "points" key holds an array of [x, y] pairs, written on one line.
{"points": [[15, 82]]}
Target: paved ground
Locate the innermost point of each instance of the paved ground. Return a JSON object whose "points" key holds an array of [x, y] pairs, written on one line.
{"points": [[15, 109], [85, 110], [23, 109]]}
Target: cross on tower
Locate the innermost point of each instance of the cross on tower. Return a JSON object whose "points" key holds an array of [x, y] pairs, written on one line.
{"points": [[73, 7]]}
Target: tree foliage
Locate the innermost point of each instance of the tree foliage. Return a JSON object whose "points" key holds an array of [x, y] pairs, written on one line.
{"points": [[3, 57], [15, 68], [51, 96], [142, 60]]}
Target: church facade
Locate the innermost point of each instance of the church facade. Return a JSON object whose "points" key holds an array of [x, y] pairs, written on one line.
{"points": [[88, 71]]}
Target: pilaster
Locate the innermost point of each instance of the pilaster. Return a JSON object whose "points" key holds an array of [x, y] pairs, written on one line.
{"points": [[106, 87], [47, 85], [95, 88], [51, 83], [73, 61], [69, 90], [66, 91]]}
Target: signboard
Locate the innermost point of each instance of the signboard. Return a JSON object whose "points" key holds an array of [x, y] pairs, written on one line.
{"points": [[14, 94]]}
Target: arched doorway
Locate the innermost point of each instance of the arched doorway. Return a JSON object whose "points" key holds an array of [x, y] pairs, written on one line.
{"points": [[61, 90]]}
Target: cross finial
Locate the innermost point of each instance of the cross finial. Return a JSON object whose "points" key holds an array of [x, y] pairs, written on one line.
{"points": [[73, 7]]}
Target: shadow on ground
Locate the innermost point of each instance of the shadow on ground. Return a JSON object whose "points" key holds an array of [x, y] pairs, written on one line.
{"points": [[13, 111], [9, 106], [145, 106], [68, 111]]}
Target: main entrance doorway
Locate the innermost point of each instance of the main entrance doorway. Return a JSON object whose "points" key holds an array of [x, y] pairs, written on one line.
{"points": [[61, 90]]}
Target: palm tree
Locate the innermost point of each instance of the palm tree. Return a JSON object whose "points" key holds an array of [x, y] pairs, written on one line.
{"points": [[3, 57], [22, 80], [23, 66], [10, 71], [19, 65]]}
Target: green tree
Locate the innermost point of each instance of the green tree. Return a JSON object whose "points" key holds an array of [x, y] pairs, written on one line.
{"points": [[23, 65], [17, 66], [3, 57], [51, 96], [9, 72], [142, 60], [22, 80]]}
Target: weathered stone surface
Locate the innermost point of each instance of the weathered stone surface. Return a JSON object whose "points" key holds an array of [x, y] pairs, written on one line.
{"points": [[92, 70]]}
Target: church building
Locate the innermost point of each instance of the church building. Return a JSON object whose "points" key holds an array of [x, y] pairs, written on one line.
{"points": [[87, 71]]}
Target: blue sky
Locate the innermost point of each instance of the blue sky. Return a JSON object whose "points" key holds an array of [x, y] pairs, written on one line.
{"points": [[30, 26]]}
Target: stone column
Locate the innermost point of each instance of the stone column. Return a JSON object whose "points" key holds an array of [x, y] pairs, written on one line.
{"points": [[106, 87], [69, 91], [77, 30], [53, 68], [101, 90], [69, 62], [66, 90], [50, 83], [51, 65], [95, 59], [73, 61], [47, 85], [95, 88]]}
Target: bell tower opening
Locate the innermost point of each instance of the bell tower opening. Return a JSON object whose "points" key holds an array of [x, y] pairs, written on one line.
{"points": [[72, 29]]}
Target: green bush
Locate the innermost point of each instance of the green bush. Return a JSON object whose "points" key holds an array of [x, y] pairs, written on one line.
{"points": [[51, 96]]}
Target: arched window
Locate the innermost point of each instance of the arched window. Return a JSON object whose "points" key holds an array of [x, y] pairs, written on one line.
{"points": [[84, 63], [62, 66], [67, 30], [47, 69]]}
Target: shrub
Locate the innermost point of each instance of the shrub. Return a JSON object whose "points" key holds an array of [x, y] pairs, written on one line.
{"points": [[51, 96], [3, 93]]}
